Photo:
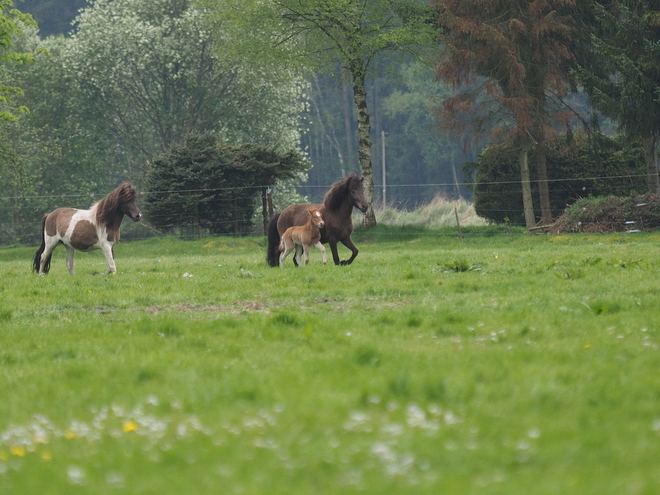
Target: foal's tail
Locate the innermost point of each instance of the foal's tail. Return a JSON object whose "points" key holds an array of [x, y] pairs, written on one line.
{"points": [[36, 262], [273, 251]]}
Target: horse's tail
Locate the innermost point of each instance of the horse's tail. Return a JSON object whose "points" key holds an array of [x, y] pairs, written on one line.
{"points": [[36, 262], [273, 251]]}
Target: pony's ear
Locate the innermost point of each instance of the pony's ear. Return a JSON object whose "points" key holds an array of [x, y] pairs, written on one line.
{"points": [[361, 179]]}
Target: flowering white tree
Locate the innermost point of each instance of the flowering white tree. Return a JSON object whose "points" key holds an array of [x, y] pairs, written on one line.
{"points": [[147, 68]]}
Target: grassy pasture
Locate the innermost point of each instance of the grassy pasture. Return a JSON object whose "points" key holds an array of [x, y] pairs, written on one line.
{"points": [[503, 364]]}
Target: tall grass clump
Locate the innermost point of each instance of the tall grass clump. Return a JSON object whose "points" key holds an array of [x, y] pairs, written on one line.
{"points": [[440, 212]]}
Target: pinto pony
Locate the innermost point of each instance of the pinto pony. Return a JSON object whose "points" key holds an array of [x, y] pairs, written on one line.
{"points": [[86, 230], [302, 238], [336, 210]]}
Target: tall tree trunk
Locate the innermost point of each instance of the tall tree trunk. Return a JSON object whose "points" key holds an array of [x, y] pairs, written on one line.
{"points": [[542, 171], [528, 205], [350, 136], [364, 144], [652, 180], [538, 83]]}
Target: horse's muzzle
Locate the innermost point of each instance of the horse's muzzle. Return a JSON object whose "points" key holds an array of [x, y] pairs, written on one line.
{"points": [[137, 217]]}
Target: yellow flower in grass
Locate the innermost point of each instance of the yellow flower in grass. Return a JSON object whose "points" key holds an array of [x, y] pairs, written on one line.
{"points": [[130, 426], [18, 451], [46, 455], [70, 434]]}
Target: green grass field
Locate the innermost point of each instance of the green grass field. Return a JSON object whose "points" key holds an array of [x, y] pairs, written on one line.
{"points": [[505, 363]]}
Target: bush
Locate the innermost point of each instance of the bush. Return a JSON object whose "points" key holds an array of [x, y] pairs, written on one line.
{"points": [[611, 214], [578, 167], [205, 187]]}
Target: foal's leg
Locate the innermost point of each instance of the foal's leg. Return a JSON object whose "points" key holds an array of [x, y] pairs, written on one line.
{"points": [[287, 249], [70, 253], [321, 247], [109, 257], [298, 256], [306, 250]]}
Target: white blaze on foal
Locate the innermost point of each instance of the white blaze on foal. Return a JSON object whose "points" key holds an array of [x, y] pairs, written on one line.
{"points": [[302, 238]]}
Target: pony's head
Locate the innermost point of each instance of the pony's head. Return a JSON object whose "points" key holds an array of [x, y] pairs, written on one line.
{"points": [[352, 188], [317, 219], [122, 200]]}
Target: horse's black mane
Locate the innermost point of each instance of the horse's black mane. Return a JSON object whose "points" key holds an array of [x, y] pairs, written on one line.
{"points": [[339, 190], [107, 208]]}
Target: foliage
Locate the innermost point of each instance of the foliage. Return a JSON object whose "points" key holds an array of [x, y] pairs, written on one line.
{"points": [[389, 376], [350, 34], [12, 24], [622, 75], [579, 166], [207, 187], [625, 83]]}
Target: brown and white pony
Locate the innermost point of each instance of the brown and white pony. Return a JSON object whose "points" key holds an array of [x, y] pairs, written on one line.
{"points": [[336, 210], [86, 230], [302, 238]]}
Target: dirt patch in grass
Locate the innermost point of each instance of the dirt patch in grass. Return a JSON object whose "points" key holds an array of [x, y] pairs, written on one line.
{"points": [[236, 307]]}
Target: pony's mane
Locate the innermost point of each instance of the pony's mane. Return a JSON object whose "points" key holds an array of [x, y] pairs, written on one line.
{"points": [[339, 190], [107, 208]]}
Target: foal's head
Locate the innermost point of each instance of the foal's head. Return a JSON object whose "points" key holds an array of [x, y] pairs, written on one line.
{"points": [[317, 219]]}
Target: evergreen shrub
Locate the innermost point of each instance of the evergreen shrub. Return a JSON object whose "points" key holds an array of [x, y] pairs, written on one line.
{"points": [[579, 166], [205, 187]]}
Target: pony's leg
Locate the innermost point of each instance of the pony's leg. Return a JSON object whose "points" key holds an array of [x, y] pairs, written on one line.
{"points": [[70, 254], [348, 242], [321, 248], [50, 245], [109, 257], [333, 249]]}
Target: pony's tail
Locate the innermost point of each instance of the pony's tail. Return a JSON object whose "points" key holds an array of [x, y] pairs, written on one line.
{"points": [[36, 262], [273, 251]]}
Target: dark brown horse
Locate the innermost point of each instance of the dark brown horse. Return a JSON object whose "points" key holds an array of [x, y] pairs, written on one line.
{"points": [[86, 230], [336, 210]]}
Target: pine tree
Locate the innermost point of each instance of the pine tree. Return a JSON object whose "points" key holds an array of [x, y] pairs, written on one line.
{"points": [[518, 52], [622, 76]]}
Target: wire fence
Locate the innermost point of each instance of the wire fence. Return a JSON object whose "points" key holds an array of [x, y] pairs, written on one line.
{"points": [[23, 213]]}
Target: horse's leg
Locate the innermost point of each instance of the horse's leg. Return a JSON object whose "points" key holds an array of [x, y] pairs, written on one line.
{"points": [[333, 249], [321, 247], [70, 253], [109, 257], [348, 242]]}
